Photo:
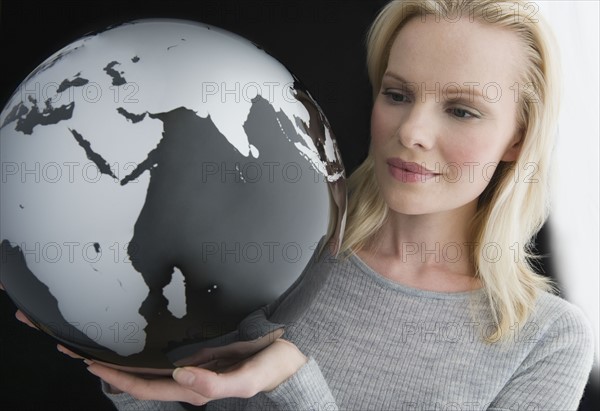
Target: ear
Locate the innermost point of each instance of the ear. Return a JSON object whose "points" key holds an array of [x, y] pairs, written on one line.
{"points": [[512, 152]]}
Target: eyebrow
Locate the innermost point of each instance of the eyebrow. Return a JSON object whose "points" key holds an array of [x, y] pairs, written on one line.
{"points": [[396, 77], [449, 89]]}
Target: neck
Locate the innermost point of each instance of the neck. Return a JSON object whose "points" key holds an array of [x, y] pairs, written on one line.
{"points": [[426, 248]]}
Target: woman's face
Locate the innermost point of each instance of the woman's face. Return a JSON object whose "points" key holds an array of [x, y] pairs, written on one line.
{"points": [[445, 114]]}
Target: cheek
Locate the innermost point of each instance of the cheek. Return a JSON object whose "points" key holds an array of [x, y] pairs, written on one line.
{"points": [[381, 127], [480, 148], [471, 160], [460, 151]]}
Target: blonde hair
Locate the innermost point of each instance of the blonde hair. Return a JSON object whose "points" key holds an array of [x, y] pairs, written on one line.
{"points": [[514, 205]]}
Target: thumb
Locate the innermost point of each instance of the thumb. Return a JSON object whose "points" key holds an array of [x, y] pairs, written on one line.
{"points": [[184, 376], [212, 385]]}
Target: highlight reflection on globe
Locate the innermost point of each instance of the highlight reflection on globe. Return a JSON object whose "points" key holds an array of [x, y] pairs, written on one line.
{"points": [[161, 180]]}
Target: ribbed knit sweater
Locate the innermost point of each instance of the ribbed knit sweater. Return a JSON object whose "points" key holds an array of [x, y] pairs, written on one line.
{"points": [[374, 344]]}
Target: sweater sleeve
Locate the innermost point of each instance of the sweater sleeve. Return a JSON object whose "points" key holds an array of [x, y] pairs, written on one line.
{"points": [[554, 374], [305, 390]]}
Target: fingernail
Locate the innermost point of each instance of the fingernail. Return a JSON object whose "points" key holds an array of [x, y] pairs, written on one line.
{"points": [[182, 376], [90, 370], [88, 362]]}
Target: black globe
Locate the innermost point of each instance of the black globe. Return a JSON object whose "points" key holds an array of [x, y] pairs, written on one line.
{"points": [[162, 180]]}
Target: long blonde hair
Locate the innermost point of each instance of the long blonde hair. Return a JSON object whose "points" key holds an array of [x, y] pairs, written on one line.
{"points": [[514, 205]]}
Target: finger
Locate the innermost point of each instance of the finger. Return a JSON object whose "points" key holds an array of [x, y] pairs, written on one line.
{"points": [[261, 372], [163, 389], [221, 365], [1, 286], [139, 371], [68, 352], [211, 385], [238, 350], [23, 318]]}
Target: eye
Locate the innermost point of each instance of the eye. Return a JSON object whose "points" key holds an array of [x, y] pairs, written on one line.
{"points": [[462, 113], [396, 96]]}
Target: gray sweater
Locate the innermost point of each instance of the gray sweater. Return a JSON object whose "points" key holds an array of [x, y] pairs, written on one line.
{"points": [[377, 345]]}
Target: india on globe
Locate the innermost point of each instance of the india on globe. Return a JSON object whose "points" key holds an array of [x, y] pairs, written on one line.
{"points": [[162, 181]]}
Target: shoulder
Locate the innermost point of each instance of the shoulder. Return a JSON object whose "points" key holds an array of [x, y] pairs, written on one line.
{"points": [[554, 356], [561, 324], [553, 310]]}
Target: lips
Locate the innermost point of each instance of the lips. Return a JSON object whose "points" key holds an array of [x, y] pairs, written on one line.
{"points": [[409, 172], [411, 167]]}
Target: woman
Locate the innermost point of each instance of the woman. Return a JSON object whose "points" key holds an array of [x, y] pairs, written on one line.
{"points": [[433, 303]]}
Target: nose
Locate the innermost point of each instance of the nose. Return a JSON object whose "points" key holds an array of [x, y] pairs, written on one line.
{"points": [[417, 128]]}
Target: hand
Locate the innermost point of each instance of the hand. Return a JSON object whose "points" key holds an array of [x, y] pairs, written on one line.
{"points": [[262, 372]]}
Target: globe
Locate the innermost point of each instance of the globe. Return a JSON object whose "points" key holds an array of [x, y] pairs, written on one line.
{"points": [[162, 181]]}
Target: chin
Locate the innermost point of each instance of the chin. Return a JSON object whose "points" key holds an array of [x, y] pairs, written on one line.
{"points": [[412, 211], [407, 207]]}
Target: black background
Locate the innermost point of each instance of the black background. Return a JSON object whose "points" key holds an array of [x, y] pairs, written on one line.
{"points": [[322, 42]]}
